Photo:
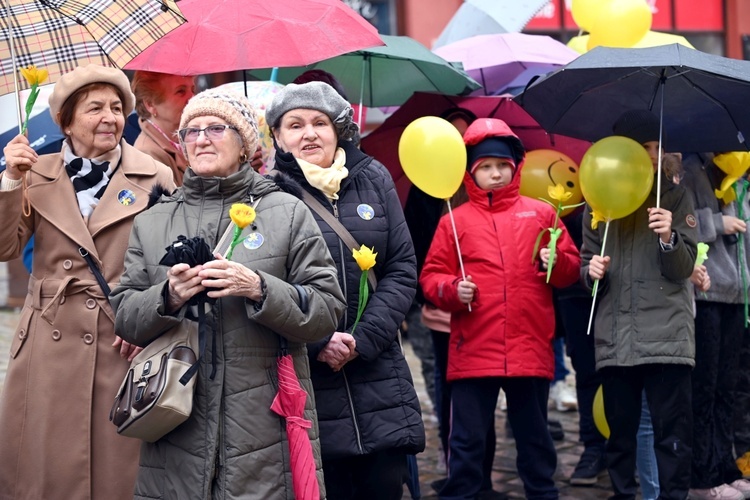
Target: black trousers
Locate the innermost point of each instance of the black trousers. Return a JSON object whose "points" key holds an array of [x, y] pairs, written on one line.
{"points": [[668, 392], [377, 476], [473, 404], [718, 339]]}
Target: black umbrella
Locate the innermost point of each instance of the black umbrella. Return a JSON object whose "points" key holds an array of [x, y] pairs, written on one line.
{"points": [[704, 97]]}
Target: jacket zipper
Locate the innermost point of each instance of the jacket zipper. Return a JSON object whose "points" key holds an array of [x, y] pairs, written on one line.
{"points": [[343, 370]]}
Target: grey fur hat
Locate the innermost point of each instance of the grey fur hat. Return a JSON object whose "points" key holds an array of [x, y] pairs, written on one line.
{"points": [[318, 96]]}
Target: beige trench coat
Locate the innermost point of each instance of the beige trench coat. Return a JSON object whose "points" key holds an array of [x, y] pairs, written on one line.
{"points": [[56, 441], [154, 144]]}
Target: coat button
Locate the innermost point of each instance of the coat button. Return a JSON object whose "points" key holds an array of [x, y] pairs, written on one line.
{"points": [[56, 335], [88, 339], [67, 264], [22, 334], [90, 303]]}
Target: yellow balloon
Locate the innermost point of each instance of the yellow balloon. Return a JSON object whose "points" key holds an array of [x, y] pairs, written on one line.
{"points": [[546, 167], [622, 23], [600, 419], [433, 156], [616, 176], [586, 12]]}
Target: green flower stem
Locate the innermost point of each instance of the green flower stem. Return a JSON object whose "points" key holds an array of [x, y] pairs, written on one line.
{"points": [[236, 238], [554, 235], [29, 106], [364, 291]]}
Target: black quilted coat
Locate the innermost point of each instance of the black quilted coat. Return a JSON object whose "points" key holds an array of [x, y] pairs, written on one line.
{"points": [[370, 405]]}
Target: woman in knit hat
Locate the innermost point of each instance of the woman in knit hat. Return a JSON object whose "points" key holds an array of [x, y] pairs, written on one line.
{"points": [[278, 290], [66, 361], [367, 406]]}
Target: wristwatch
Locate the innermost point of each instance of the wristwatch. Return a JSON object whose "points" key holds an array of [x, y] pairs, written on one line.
{"points": [[670, 245]]}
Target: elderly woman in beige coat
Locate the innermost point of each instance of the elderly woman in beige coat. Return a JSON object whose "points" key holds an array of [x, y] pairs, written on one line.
{"points": [[66, 362]]}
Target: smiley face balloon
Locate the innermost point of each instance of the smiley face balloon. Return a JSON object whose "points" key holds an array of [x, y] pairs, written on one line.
{"points": [[546, 167]]}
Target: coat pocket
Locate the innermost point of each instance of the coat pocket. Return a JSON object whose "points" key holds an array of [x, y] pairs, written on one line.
{"points": [[22, 331], [663, 310]]}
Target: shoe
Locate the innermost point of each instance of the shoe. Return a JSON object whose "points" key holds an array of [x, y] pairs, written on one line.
{"points": [[563, 396], [741, 485], [555, 430], [491, 495], [721, 492], [438, 484], [590, 466], [743, 464]]}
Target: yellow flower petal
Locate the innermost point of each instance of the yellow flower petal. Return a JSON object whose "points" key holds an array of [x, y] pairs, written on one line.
{"points": [[34, 76], [365, 257], [596, 218], [242, 215], [558, 193]]}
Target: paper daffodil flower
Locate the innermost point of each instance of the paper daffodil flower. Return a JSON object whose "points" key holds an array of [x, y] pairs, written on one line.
{"points": [[34, 76], [242, 216], [365, 258], [596, 218], [558, 193], [702, 254]]}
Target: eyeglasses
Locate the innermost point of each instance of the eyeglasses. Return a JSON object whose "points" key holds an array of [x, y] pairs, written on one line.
{"points": [[212, 133]]}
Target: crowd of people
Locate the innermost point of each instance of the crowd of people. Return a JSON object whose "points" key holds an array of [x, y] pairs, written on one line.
{"points": [[668, 335]]}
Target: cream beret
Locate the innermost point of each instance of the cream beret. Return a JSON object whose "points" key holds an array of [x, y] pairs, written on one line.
{"points": [[84, 75]]}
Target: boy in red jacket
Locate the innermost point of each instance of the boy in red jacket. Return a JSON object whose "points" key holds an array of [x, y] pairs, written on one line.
{"points": [[505, 341]]}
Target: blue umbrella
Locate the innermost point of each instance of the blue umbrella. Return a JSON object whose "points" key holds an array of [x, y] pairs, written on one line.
{"points": [[45, 135]]}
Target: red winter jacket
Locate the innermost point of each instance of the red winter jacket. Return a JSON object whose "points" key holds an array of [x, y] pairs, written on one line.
{"points": [[510, 328]]}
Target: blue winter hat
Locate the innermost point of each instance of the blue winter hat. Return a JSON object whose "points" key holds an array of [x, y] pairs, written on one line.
{"points": [[491, 147]]}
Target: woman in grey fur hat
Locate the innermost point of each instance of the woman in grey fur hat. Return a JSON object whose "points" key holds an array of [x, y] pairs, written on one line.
{"points": [[368, 409]]}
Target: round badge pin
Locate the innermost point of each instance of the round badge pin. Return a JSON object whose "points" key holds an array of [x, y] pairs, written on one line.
{"points": [[253, 241], [126, 197], [365, 211]]}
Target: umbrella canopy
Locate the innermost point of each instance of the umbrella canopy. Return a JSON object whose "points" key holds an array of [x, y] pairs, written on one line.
{"points": [[383, 142], [388, 75], [290, 404], [482, 17], [229, 35], [651, 39], [508, 59], [58, 36], [704, 97]]}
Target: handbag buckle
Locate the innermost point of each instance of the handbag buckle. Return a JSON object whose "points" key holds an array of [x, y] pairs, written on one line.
{"points": [[146, 368]]}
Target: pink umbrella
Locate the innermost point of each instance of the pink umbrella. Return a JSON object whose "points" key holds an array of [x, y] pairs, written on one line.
{"points": [[229, 35], [290, 404], [383, 142], [506, 60]]}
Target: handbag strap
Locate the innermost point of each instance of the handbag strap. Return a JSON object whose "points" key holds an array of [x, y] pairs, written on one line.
{"points": [[339, 228], [97, 273]]}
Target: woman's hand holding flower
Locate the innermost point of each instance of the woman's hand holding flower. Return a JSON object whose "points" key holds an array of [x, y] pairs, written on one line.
{"points": [[19, 157], [338, 351], [226, 278]]}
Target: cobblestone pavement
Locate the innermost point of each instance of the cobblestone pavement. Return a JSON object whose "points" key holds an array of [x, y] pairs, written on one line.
{"points": [[504, 475]]}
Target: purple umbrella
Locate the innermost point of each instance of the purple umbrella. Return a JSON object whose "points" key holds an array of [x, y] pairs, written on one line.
{"points": [[507, 59]]}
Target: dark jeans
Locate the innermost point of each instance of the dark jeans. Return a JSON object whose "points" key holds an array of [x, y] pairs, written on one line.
{"points": [[573, 314], [440, 341], [473, 404], [718, 338], [377, 476], [668, 394], [742, 398]]}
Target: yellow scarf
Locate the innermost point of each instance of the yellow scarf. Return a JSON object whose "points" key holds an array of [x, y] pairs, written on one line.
{"points": [[328, 180]]}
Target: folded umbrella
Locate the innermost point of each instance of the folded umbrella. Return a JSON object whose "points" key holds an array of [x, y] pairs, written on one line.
{"points": [[290, 404]]}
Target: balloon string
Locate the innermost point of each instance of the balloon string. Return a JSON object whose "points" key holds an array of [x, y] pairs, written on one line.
{"points": [[658, 153], [596, 282], [458, 248]]}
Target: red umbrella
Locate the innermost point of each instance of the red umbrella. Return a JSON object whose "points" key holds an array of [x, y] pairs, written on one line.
{"points": [[290, 404], [229, 35], [383, 142]]}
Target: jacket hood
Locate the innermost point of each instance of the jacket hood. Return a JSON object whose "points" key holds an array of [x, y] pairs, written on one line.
{"points": [[485, 128]]}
